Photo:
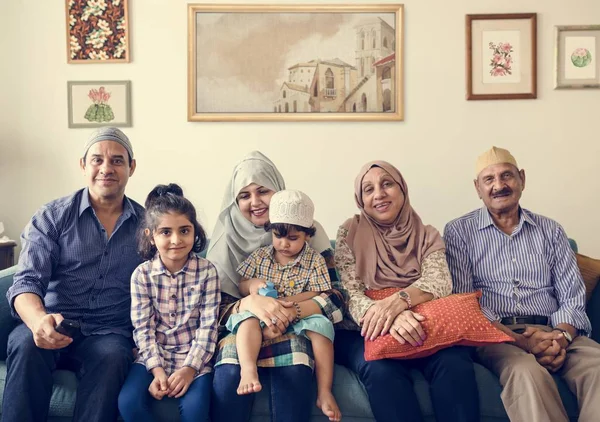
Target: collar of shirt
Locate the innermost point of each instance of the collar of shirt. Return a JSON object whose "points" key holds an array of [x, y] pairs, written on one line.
{"points": [[485, 220], [158, 268], [298, 261], [84, 204]]}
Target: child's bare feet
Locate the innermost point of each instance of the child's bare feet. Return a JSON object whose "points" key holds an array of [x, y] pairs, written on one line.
{"points": [[326, 402], [249, 382]]}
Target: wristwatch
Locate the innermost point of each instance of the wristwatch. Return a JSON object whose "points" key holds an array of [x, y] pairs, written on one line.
{"points": [[405, 297], [566, 334]]}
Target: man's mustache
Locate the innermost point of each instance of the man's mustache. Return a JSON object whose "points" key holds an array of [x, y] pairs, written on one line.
{"points": [[501, 192]]}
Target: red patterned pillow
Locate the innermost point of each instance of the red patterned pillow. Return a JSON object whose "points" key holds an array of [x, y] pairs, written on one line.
{"points": [[450, 321]]}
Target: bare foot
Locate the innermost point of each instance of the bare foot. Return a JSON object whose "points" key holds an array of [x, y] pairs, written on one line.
{"points": [[326, 402], [249, 382]]}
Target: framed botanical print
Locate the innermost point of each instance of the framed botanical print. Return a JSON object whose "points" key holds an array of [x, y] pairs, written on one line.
{"points": [[577, 65], [501, 56], [97, 31]]}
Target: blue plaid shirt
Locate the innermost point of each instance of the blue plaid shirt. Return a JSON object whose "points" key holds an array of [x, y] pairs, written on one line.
{"points": [[68, 261], [532, 271]]}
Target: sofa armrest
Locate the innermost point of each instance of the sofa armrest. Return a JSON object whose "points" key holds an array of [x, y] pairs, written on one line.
{"points": [[593, 312], [7, 322]]}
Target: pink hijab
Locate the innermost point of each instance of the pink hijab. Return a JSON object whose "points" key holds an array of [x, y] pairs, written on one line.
{"points": [[389, 255]]}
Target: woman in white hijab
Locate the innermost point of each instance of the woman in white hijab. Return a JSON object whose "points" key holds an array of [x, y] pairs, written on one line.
{"points": [[239, 232]]}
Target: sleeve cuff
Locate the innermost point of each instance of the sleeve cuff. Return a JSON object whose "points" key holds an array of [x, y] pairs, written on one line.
{"points": [[580, 322], [19, 291], [153, 362]]}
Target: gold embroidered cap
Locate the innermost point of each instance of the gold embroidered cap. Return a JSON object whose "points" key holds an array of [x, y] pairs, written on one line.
{"points": [[494, 156]]}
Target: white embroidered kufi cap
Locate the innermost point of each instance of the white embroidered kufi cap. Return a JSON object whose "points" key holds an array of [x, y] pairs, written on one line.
{"points": [[291, 207]]}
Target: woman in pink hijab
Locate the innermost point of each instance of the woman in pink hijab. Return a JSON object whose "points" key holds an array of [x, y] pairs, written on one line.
{"points": [[387, 245]]}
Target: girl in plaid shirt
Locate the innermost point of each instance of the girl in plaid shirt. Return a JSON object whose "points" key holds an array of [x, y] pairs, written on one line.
{"points": [[298, 273], [175, 298]]}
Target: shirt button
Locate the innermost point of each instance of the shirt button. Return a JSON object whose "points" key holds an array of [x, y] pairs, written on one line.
{"points": [[173, 296], [101, 277], [514, 260], [105, 253], [173, 315], [191, 289]]}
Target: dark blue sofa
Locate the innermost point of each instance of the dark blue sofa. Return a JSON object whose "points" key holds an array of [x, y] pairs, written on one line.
{"points": [[347, 388]]}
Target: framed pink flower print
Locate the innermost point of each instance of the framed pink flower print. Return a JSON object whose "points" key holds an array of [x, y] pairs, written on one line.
{"points": [[501, 56]]}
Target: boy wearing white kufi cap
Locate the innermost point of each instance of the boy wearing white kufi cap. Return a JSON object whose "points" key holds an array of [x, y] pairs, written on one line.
{"points": [[298, 273], [532, 290]]}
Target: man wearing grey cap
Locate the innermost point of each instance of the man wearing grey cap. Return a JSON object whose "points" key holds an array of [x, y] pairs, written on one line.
{"points": [[71, 291], [532, 290]]}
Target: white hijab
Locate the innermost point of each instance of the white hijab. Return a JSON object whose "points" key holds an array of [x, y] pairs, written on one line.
{"points": [[234, 237]]}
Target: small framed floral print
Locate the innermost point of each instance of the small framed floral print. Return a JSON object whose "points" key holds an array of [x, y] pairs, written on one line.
{"points": [[501, 56], [99, 103], [97, 31], [577, 49]]}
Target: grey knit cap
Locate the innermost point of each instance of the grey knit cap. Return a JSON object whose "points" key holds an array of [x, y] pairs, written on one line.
{"points": [[109, 134]]}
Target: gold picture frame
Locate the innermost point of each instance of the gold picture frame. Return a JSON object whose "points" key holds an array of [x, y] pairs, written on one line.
{"points": [[295, 62], [97, 32]]}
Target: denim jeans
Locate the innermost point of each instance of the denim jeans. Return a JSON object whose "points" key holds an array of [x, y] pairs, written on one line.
{"points": [[101, 363], [135, 402], [290, 394], [450, 374]]}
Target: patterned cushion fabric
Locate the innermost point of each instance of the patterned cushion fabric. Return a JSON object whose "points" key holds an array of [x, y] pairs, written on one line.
{"points": [[453, 320]]}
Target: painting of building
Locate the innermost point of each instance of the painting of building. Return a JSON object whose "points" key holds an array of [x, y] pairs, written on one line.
{"points": [[295, 63]]}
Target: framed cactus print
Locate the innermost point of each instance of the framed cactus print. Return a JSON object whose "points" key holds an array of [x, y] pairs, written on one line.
{"points": [[311, 62], [97, 31], [99, 103], [501, 56], [577, 54]]}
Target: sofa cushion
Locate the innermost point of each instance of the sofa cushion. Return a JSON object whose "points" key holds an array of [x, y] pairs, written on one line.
{"points": [[454, 320], [590, 271], [7, 322]]}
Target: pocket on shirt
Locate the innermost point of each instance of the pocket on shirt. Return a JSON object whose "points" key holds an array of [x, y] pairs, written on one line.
{"points": [[192, 295], [536, 269]]}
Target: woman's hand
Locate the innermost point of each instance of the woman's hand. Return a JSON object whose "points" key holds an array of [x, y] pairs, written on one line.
{"points": [[379, 317], [407, 328], [270, 311]]}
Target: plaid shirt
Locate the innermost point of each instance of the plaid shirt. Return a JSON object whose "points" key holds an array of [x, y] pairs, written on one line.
{"points": [[175, 316], [307, 273]]}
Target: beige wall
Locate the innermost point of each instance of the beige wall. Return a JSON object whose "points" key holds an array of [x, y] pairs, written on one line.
{"points": [[556, 138]]}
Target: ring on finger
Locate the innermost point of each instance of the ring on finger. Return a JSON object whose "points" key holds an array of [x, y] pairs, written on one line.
{"points": [[274, 320]]}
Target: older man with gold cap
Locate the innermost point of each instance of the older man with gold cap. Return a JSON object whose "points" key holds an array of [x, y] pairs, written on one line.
{"points": [[71, 290], [532, 290]]}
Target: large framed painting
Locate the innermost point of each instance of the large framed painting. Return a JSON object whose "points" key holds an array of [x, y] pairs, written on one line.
{"points": [[577, 49], [97, 31], [501, 56], [295, 62]]}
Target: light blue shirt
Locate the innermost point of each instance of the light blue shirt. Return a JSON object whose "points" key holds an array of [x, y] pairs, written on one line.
{"points": [[533, 271], [75, 268]]}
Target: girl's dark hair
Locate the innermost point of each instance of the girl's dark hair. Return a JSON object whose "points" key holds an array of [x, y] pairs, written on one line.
{"points": [[161, 200], [284, 228]]}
